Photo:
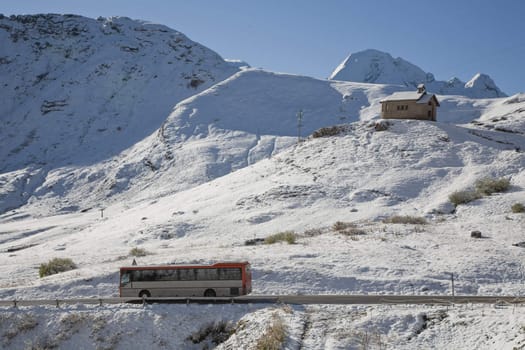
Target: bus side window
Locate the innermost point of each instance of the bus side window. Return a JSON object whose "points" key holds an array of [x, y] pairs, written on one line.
{"points": [[149, 275], [187, 274], [167, 275], [230, 274], [136, 276], [125, 279], [207, 274]]}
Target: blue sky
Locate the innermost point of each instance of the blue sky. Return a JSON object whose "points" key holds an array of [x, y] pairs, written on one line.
{"points": [[446, 37]]}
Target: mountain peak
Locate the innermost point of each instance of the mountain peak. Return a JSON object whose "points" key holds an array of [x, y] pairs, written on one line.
{"points": [[374, 66], [378, 67], [484, 82]]}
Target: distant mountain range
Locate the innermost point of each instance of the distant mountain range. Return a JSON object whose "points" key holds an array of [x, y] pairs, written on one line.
{"points": [[377, 67]]}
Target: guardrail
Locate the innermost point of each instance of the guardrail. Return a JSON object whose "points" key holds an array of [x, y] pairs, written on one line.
{"points": [[284, 299]]}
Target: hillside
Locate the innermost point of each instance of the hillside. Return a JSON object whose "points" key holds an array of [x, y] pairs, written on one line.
{"points": [[88, 118], [77, 91], [248, 117], [360, 176], [98, 158]]}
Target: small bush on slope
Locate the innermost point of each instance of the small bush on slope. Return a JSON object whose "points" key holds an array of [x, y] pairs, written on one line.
{"points": [[340, 225], [518, 208], [463, 197], [55, 266], [414, 220], [488, 186], [286, 236], [348, 228], [217, 332], [274, 336], [483, 187], [138, 252], [20, 324], [329, 131]]}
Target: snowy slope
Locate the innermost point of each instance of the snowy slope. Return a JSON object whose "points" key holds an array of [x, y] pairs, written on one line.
{"points": [[373, 66], [111, 131], [220, 164], [248, 117], [359, 176], [76, 91]]}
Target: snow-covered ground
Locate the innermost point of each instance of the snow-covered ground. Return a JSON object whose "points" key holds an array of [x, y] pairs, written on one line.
{"points": [[312, 327], [226, 166], [360, 176]]}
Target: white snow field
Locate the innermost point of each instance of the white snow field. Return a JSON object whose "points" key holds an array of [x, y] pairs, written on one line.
{"points": [[190, 171]]}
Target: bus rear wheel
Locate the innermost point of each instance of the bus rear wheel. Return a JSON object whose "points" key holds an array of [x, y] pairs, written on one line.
{"points": [[210, 293], [144, 294]]}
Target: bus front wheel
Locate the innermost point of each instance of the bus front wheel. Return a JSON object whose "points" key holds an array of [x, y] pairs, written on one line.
{"points": [[209, 293], [144, 294]]}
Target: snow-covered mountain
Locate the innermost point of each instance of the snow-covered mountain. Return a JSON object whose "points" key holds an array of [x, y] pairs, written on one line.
{"points": [[102, 84], [373, 66], [77, 91], [190, 155], [88, 107]]}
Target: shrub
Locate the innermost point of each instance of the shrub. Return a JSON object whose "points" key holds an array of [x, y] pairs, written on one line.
{"points": [[518, 208], [55, 266], [274, 336], [312, 232], [381, 125], [353, 231], [328, 131], [488, 186], [217, 332], [19, 324], [348, 228], [286, 236], [463, 197], [406, 219], [483, 187], [340, 225], [138, 252]]}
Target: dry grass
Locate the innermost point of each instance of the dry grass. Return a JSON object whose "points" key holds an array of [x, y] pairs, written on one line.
{"points": [[287, 236], [340, 226], [463, 197], [216, 332], [329, 131], [348, 229], [518, 208], [406, 219], [488, 186], [20, 324], [138, 252], [482, 187], [274, 336], [55, 266]]}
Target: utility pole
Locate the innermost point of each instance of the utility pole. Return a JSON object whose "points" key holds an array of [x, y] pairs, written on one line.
{"points": [[453, 291], [299, 124], [101, 212]]}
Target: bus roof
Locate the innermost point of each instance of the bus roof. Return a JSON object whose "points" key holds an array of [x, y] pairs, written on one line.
{"points": [[180, 266]]}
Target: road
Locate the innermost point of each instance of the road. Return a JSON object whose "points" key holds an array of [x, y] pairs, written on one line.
{"points": [[287, 299]]}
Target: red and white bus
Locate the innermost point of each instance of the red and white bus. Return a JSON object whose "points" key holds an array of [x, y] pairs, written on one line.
{"points": [[221, 279]]}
